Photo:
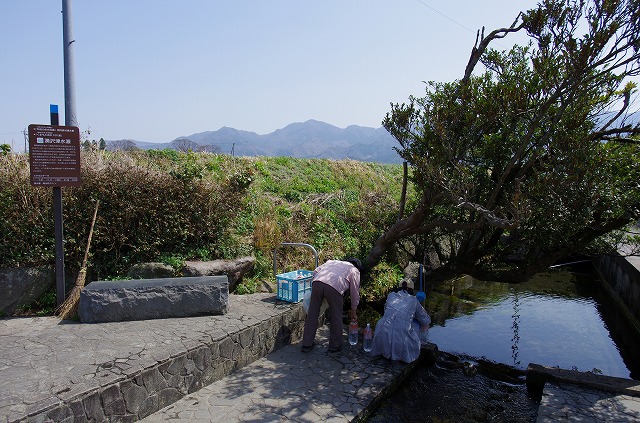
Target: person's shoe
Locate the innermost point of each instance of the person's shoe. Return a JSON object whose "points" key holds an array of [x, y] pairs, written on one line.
{"points": [[334, 349], [307, 348]]}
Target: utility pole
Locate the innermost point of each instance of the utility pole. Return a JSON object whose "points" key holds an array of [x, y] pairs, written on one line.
{"points": [[68, 41], [70, 119]]}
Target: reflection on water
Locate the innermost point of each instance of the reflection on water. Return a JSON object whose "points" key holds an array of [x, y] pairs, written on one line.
{"points": [[555, 319]]}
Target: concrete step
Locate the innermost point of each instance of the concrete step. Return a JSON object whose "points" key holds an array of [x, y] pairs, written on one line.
{"points": [[289, 385]]}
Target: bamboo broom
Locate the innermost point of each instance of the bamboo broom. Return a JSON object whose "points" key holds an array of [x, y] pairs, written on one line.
{"points": [[70, 305]]}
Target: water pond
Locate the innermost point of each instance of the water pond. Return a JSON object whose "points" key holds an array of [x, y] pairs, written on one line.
{"points": [[557, 318]]}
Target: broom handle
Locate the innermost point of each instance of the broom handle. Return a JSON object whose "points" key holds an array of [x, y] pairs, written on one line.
{"points": [[93, 221]]}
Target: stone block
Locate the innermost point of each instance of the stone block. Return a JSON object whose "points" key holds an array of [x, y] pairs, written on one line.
{"points": [[93, 407], [60, 414], [234, 269], [22, 286], [112, 401], [168, 396], [177, 364], [133, 396], [153, 380], [149, 406], [142, 299], [151, 271]]}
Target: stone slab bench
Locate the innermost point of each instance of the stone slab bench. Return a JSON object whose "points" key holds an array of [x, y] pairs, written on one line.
{"points": [[142, 299]]}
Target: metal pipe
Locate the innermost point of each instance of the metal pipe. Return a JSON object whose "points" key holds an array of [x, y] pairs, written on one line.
{"points": [[291, 244], [570, 263]]}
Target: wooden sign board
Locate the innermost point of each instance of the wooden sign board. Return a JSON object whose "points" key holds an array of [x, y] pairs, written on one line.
{"points": [[54, 155]]}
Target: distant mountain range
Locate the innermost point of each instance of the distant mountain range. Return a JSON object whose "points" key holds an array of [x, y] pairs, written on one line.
{"points": [[310, 139]]}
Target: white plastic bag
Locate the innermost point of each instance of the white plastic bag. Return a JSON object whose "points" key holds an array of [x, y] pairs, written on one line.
{"points": [[306, 300], [324, 306]]}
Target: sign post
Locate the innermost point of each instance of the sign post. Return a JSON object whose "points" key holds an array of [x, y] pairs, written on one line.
{"points": [[58, 223], [53, 113], [54, 160]]}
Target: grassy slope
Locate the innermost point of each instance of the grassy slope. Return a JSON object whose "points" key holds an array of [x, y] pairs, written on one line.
{"points": [[339, 207]]}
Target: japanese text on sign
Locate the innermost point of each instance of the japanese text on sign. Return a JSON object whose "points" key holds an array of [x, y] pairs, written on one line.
{"points": [[54, 155]]}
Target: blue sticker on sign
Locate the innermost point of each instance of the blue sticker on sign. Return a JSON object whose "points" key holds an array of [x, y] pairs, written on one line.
{"points": [[53, 108]]}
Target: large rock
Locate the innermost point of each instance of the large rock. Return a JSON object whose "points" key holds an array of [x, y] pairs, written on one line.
{"points": [[234, 269], [141, 299], [22, 286], [151, 271]]}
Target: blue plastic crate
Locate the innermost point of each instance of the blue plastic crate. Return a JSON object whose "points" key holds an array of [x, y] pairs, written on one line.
{"points": [[293, 285]]}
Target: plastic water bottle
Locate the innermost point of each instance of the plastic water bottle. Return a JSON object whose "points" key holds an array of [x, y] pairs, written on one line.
{"points": [[368, 338], [353, 332]]}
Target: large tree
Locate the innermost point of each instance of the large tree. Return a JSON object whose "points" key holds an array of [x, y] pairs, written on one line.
{"points": [[533, 154], [184, 145]]}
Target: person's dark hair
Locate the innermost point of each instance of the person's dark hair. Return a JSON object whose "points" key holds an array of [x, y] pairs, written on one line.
{"points": [[356, 262], [405, 287]]}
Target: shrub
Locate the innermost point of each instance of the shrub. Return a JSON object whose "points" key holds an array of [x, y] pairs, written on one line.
{"points": [[146, 209], [26, 216], [164, 205], [146, 212]]}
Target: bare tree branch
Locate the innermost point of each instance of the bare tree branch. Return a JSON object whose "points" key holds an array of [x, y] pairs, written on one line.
{"points": [[615, 131], [625, 105], [479, 48], [621, 140], [488, 215]]}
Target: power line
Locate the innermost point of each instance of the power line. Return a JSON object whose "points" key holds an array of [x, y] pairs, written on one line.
{"points": [[456, 22], [446, 17]]}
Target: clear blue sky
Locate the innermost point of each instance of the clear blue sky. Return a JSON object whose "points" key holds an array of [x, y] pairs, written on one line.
{"points": [[154, 70]]}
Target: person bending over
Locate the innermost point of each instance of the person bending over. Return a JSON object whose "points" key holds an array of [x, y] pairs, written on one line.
{"points": [[330, 281], [397, 334]]}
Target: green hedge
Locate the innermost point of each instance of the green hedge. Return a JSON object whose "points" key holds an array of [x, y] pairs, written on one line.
{"points": [[148, 207]]}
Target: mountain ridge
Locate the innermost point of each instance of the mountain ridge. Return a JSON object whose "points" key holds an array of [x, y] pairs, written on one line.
{"points": [[309, 139]]}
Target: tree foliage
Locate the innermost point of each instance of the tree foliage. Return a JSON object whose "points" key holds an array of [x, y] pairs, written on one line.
{"points": [[122, 145], [533, 158], [184, 145]]}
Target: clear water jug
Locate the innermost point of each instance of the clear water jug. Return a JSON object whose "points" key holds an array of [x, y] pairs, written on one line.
{"points": [[368, 338], [353, 333]]}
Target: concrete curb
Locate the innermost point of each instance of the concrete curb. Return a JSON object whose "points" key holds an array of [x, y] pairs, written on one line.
{"points": [[538, 375]]}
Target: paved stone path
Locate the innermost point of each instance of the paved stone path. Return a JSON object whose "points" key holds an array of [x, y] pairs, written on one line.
{"points": [[289, 385], [243, 366], [67, 371], [563, 402]]}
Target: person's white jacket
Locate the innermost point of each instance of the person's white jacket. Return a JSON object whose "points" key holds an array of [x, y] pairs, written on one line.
{"points": [[397, 334]]}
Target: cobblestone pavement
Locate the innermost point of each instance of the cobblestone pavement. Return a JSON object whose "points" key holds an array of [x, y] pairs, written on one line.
{"points": [[289, 385], [563, 402]]}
